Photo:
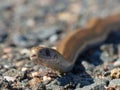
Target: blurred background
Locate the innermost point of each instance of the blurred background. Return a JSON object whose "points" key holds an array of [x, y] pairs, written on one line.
{"points": [[25, 23], [28, 23]]}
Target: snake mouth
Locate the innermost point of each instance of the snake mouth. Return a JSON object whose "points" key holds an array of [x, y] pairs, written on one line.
{"points": [[33, 56], [47, 53]]}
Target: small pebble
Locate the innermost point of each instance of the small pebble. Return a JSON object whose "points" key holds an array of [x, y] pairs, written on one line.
{"points": [[106, 57], [25, 52], [117, 63], [114, 83], [7, 66], [115, 73], [65, 16], [24, 69], [55, 48], [19, 40], [19, 63], [3, 36], [7, 50], [34, 74], [8, 78], [53, 38], [30, 22], [110, 88], [46, 78], [34, 81]]}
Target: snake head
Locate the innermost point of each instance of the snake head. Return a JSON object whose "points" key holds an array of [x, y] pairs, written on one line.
{"points": [[49, 57], [44, 56]]}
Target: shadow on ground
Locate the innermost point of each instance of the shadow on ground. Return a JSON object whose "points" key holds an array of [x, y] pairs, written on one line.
{"points": [[94, 58]]}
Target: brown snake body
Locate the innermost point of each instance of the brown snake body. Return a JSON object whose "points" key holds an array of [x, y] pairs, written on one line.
{"points": [[63, 59]]}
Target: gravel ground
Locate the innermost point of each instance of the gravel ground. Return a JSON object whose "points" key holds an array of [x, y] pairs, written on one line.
{"points": [[28, 23]]}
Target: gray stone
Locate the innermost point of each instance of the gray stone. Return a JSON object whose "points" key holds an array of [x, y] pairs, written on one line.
{"points": [[22, 41], [114, 82], [46, 32], [97, 85], [12, 73], [106, 57], [8, 78], [54, 87], [117, 62]]}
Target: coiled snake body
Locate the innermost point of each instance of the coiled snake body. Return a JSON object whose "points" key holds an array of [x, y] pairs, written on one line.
{"points": [[63, 58]]}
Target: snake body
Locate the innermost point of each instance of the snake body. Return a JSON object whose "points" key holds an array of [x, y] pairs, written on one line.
{"points": [[64, 57]]}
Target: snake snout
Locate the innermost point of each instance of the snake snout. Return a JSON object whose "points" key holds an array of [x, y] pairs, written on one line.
{"points": [[32, 56]]}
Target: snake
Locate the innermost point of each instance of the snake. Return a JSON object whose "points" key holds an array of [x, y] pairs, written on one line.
{"points": [[63, 58]]}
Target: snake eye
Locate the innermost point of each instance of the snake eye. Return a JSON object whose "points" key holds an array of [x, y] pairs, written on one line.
{"points": [[47, 53]]}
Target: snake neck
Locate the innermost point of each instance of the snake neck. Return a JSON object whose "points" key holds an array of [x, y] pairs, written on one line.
{"points": [[75, 43], [94, 32]]}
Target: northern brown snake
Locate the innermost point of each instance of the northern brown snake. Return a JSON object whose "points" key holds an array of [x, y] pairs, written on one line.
{"points": [[64, 57]]}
